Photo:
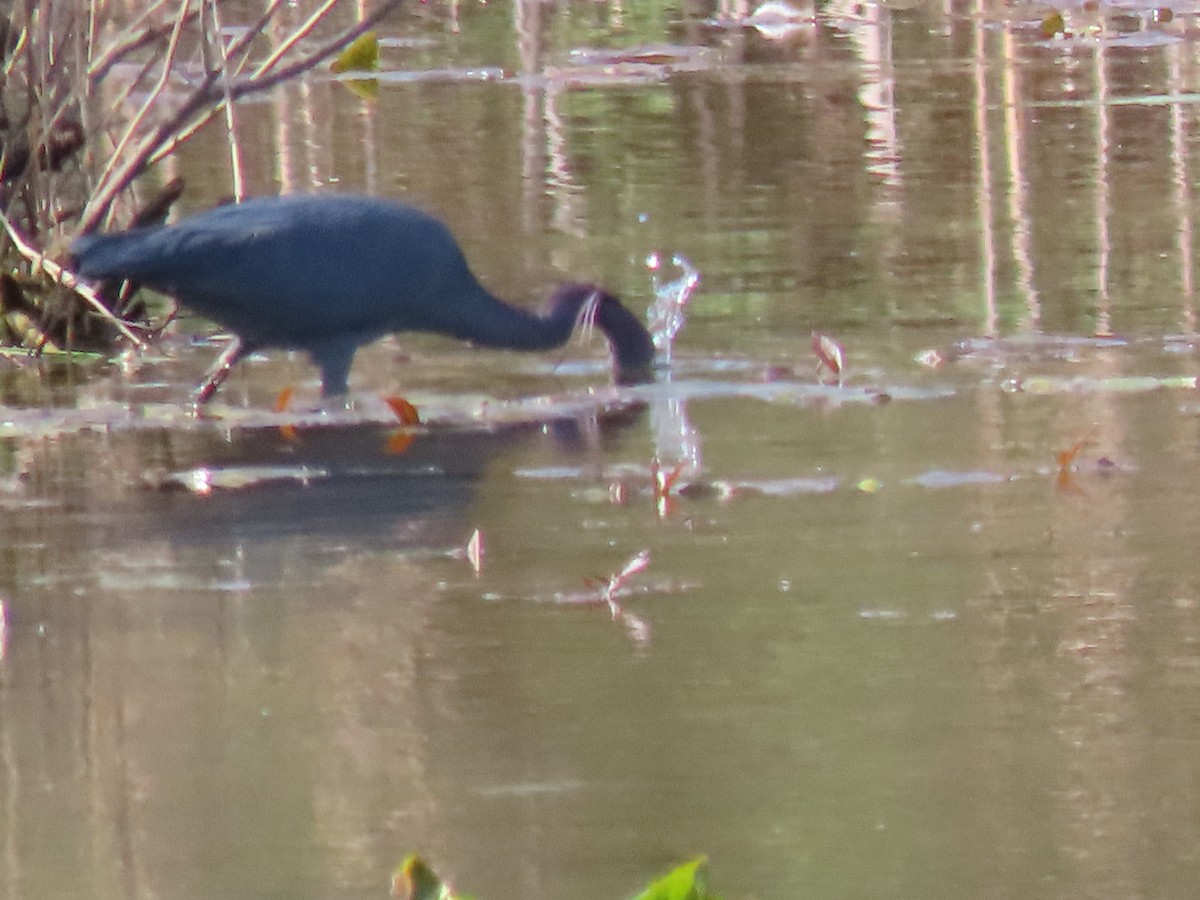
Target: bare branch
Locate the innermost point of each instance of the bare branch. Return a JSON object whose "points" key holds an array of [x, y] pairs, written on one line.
{"points": [[152, 99], [294, 38], [129, 42], [205, 101], [235, 153], [241, 47]]}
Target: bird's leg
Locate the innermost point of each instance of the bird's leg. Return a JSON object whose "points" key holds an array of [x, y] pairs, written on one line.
{"points": [[334, 357], [216, 376]]}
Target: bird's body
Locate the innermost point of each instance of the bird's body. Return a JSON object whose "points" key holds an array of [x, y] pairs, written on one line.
{"points": [[328, 273]]}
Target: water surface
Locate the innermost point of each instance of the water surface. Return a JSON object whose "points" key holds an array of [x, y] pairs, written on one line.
{"points": [[929, 633]]}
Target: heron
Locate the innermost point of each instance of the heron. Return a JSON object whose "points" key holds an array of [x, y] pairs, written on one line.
{"points": [[327, 273]]}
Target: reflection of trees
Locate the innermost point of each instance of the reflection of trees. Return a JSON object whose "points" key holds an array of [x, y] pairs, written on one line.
{"points": [[806, 133]]}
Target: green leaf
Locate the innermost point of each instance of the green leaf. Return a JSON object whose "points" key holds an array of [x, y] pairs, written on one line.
{"points": [[686, 882], [413, 880], [361, 56], [1053, 25]]}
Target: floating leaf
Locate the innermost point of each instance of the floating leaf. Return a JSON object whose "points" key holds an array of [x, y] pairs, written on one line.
{"points": [[361, 56], [638, 628], [637, 563], [1066, 459], [830, 355], [1053, 25], [686, 882], [405, 411], [869, 485], [610, 588], [399, 441], [663, 483]]}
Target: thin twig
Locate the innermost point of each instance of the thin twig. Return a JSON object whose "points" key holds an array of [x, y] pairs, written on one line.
{"points": [[128, 88], [69, 33], [239, 48], [293, 39], [128, 42], [18, 49], [242, 46], [235, 154], [155, 92]]}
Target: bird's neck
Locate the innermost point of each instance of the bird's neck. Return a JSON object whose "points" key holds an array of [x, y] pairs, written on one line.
{"points": [[491, 322], [507, 326]]}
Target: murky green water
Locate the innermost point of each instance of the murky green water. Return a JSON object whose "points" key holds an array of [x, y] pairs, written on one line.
{"points": [[883, 647]]}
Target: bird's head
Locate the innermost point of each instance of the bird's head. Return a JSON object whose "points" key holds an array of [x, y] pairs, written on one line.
{"points": [[588, 306]]}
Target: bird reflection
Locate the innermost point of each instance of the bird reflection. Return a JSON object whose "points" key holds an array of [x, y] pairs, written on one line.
{"points": [[345, 487]]}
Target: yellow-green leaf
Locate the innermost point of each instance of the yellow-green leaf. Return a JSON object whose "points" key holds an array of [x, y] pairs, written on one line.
{"points": [[361, 56], [686, 882], [413, 880], [1053, 25]]}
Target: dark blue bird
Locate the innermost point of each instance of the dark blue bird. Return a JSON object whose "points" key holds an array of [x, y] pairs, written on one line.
{"points": [[327, 273]]}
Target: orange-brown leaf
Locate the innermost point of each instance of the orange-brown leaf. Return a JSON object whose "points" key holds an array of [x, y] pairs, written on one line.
{"points": [[404, 411]]}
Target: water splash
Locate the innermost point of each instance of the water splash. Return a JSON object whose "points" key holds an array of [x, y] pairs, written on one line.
{"points": [[666, 315], [676, 441]]}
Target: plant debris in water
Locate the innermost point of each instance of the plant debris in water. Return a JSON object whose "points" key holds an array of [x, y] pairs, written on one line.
{"points": [[615, 585], [472, 552], [413, 879], [831, 357]]}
